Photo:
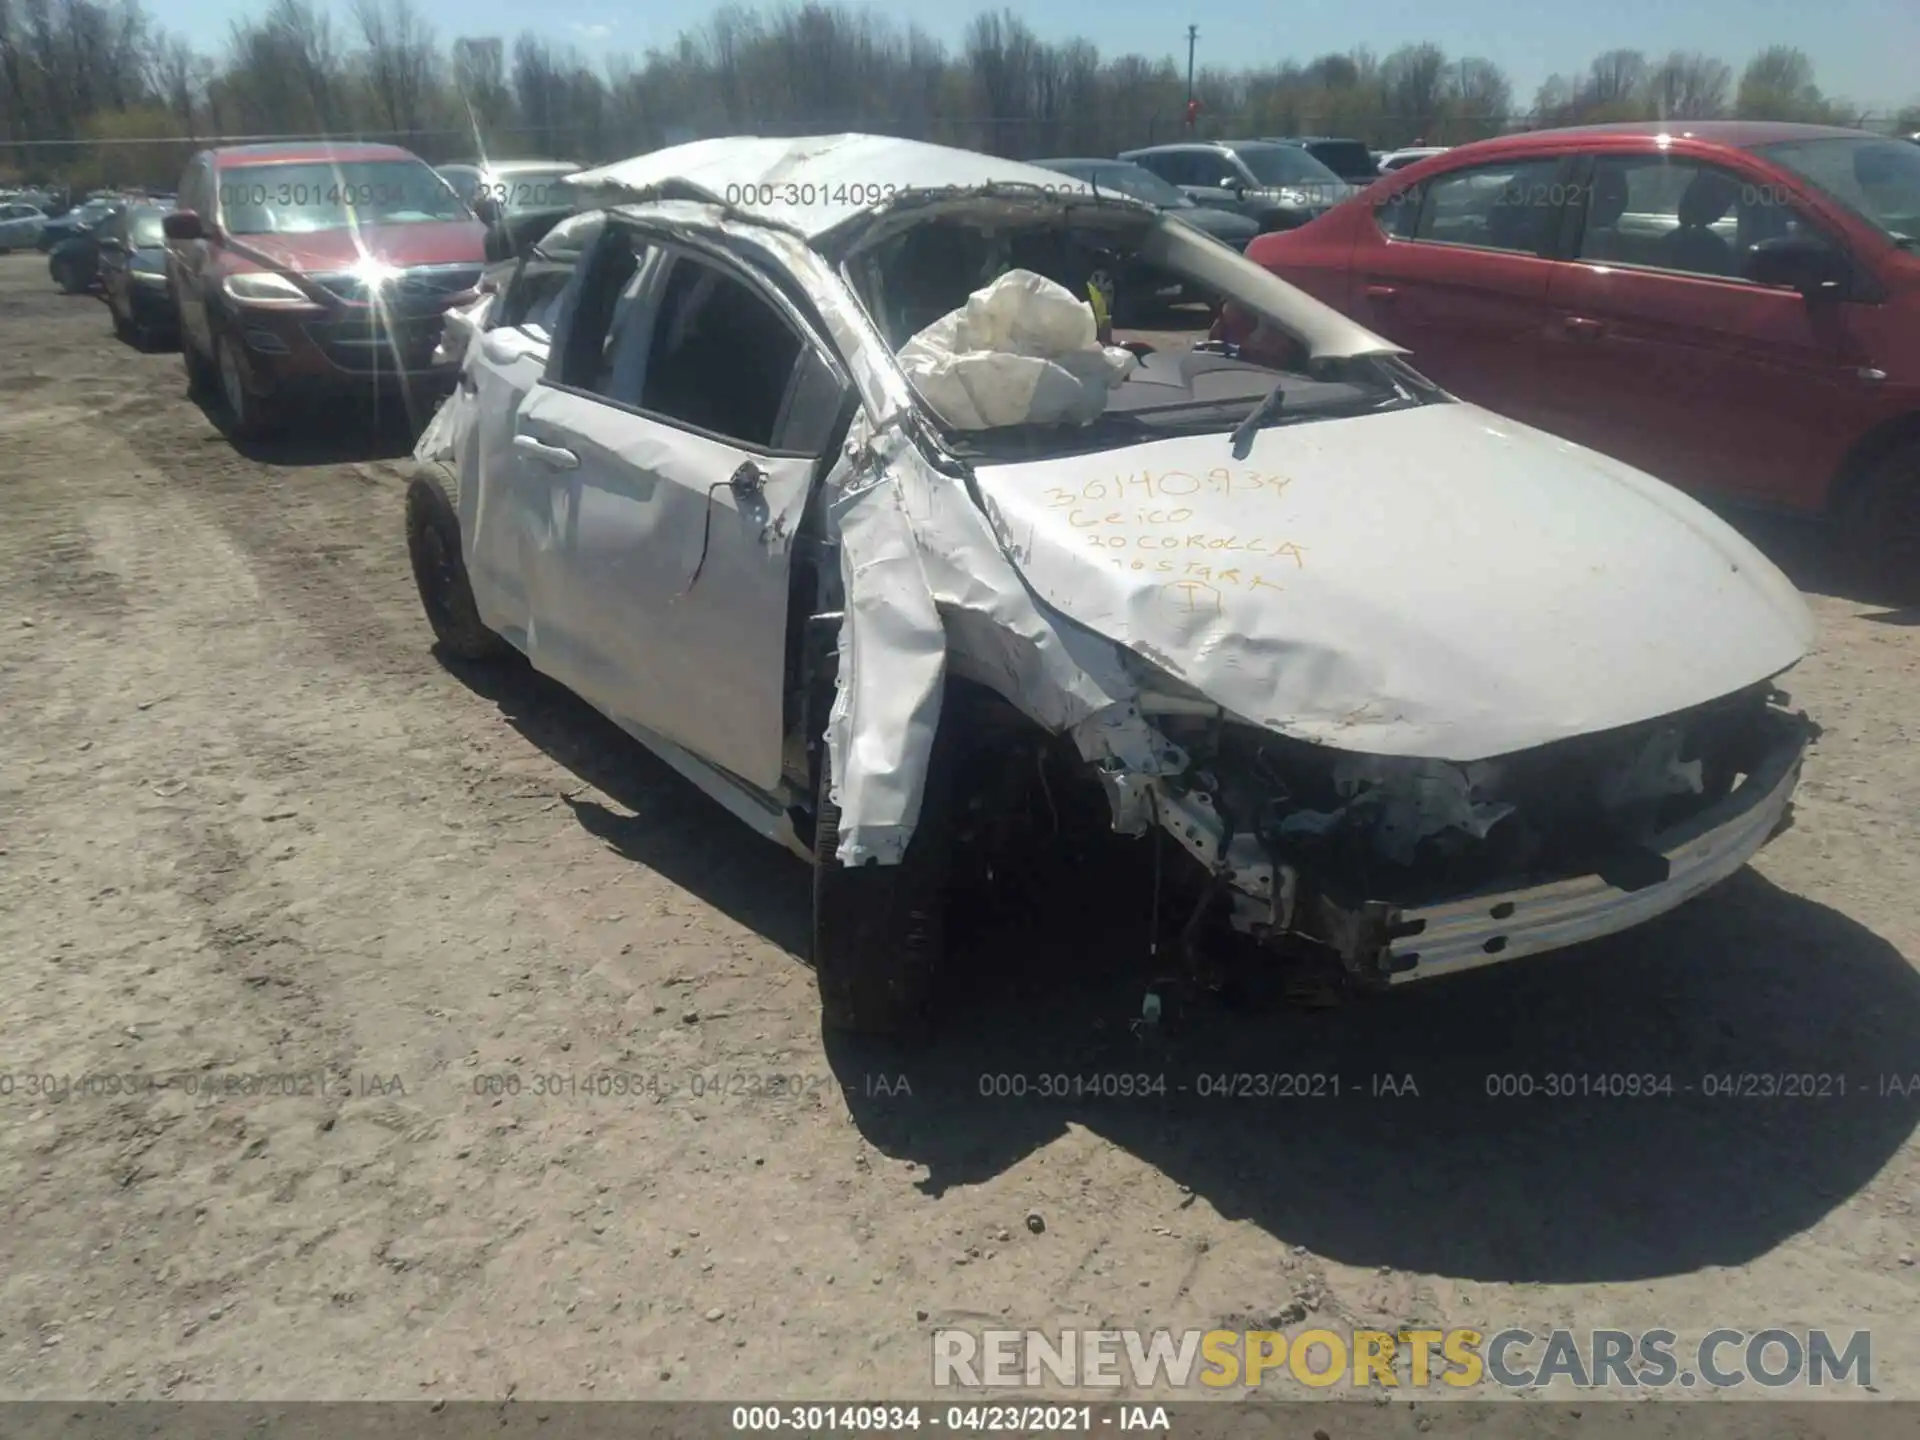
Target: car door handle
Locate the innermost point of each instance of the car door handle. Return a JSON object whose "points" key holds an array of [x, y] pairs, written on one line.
{"points": [[1381, 292], [1581, 328], [556, 456]]}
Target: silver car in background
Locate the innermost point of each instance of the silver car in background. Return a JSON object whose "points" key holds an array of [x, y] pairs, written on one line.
{"points": [[20, 225]]}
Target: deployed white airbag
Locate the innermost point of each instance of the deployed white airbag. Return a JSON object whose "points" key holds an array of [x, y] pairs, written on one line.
{"points": [[1021, 351]]}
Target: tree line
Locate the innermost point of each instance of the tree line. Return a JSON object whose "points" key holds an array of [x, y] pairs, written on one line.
{"points": [[93, 93]]}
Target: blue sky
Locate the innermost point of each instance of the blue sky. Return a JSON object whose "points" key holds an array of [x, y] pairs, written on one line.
{"points": [[1865, 50]]}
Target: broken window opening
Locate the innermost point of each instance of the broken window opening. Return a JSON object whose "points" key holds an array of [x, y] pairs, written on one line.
{"points": [[721, 358]]}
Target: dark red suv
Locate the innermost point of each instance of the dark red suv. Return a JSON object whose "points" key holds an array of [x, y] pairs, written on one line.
{"points": [[300, 269], [1733, 306]]}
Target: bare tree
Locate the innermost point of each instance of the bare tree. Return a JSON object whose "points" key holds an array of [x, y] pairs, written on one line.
{"points": [[1778, 85], [284, 72], [99, 70], [1689, 87], [175, 72], [479, 73], [400, 60], [19, 109], [1615, 81], [1413, 90], [1482, 100]]}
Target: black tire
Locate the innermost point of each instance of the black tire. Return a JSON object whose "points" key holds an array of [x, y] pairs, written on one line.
{"points": [[879, 931], [1880, 524], [71, 278], [249, 417], [440, 568]]}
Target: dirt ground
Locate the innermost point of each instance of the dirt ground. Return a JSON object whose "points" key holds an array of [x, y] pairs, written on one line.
{"points": [[251, 826]]}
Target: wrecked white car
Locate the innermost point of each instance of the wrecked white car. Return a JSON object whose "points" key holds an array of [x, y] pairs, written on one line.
{"points": [[809, 463]]}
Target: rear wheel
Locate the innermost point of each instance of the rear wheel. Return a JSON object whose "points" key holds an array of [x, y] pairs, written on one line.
{"points": [[1880, 524], [71, 278], [879, 931], [439, 568]]}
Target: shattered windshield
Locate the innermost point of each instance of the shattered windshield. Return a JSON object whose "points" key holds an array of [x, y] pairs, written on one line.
{"points": [[1036, 339]]}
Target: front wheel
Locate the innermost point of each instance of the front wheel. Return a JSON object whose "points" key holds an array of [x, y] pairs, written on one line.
{"points": [[1880, 524], [248, 416], [879, 931], [71, 278]]}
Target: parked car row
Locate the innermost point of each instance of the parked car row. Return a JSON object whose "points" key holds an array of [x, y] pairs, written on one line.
{"points": [[288, 272], [1731, 306], [133, 274], [1231, 190]]}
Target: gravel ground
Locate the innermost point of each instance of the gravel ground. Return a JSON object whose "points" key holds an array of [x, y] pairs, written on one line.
{"points": [[249, 825]]}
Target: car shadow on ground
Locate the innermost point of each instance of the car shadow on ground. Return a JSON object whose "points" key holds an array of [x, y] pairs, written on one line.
{"points": [[1383, 1132], [674, 830], [155, 340], [1809, 552], [1705, 1005], [330, 431]]}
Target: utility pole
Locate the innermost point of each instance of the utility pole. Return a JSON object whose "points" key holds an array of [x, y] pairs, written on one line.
{"points": [[1193, 36]]}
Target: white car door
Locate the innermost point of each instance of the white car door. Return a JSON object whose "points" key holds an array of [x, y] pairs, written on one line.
{"points": [[681, 440], [502, 365]]}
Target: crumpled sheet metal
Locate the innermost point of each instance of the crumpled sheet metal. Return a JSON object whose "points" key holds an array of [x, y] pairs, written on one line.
{"points": [[1406, 801], [812, 183], [1437, 583], [928, 587], [459, 327], [436, 442]]}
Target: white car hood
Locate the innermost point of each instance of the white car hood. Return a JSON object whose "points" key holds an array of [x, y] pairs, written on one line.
{"points": [[1436, 582]]}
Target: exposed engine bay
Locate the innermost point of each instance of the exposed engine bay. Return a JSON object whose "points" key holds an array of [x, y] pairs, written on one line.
{"points": [[1324, 858]]}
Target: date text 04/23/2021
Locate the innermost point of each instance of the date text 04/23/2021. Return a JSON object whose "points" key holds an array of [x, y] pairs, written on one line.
{"points": [[659, 1085], [954, 1419]]}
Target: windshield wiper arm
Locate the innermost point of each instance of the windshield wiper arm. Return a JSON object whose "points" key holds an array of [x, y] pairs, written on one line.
{"points": [[1264, 413]]}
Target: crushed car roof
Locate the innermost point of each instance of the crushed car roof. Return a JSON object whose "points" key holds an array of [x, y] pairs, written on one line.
{"points": [[811, 183]]}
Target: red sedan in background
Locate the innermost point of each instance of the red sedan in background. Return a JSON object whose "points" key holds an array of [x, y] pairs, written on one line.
{"points": [[1731, 306], [307, 269]]}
